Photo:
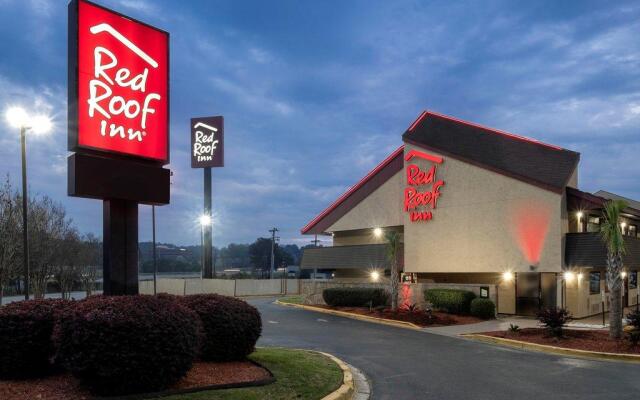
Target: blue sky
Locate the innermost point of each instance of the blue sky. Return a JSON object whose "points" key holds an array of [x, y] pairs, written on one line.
{"points": [[315, 93]]}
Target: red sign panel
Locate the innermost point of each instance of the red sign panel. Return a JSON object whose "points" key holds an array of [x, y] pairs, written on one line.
{"points": [[122, 84], [423, 188]]}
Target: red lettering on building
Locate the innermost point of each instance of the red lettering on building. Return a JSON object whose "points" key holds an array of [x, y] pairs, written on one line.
{"points": [[419, 203]]}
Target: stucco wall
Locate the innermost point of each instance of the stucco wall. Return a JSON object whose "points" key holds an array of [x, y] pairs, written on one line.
{"points": [[381, 208], [474, 227]]}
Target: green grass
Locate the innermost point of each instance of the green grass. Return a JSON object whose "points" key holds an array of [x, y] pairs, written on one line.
{"points": [[300, 375], [291, 299]]}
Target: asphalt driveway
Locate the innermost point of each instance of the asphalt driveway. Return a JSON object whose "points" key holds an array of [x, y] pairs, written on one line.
{"points": [[407, 364]]}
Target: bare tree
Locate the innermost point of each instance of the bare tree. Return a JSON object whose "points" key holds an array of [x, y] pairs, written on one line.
{"points": [[9, 233], [68, 262], [89, 261], [47, 227]]}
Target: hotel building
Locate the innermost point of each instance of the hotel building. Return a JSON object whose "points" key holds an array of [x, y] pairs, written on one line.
{"points": [[483, 209]]}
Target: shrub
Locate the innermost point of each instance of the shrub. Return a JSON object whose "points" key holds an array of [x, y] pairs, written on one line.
{"points": [[514, 329], [26, 347], [231, 326], [453, 301], [355, 297], [128, 344], [633, 333], [483, 308], [554, 319]]}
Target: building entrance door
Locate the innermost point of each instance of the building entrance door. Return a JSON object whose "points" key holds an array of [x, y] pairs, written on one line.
{"points": [[528, 293]]}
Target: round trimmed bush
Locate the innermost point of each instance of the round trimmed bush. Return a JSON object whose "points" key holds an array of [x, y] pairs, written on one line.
{"points": [[128, 344], [26, 347], [355, 297], [231, 326], [483, 308]]}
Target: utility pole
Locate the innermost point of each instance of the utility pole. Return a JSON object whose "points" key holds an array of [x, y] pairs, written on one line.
{"points": [[315, 241], [273, 248]]}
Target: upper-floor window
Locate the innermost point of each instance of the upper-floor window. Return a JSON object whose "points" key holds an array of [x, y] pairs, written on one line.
{"points": [[593, 223], [633, 279], [594, 282]]}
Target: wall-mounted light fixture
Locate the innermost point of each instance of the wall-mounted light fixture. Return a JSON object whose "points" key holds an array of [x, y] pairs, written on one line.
{"points": [[568, 276], [375, 276], [507, 276], [377, 232]]}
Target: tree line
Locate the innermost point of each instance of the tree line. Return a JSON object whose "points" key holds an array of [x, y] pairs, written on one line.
{"points": [[58, 254]]}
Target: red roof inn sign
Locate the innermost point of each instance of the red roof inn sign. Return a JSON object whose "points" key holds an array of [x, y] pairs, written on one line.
{"points": [[118, 122], [423, 188], [122, 76]]}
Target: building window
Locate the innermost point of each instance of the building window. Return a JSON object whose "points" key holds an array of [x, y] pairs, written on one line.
{"points": [[632, 230], [593, 224], [633, 279], [594, 282]]}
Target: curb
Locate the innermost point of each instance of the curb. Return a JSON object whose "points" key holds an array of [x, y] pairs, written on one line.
{"points": [[384, 321], [354, 384], [587, 354], [344, 392]]}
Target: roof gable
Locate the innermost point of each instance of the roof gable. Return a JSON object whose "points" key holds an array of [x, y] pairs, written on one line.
{"points": [[522, 158], [356, 193]]}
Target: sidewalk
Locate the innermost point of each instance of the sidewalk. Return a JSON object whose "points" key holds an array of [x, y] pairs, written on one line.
{"points": [[502, 323], [499, 324]]}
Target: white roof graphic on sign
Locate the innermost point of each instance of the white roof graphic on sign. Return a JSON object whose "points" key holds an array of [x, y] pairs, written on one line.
{"points": [[211, 128], [109, 29]]}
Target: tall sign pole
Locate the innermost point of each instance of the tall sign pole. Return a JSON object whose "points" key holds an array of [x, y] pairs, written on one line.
{"points": [[208, 271], [207, 151], [118, 123], [273, 252]]}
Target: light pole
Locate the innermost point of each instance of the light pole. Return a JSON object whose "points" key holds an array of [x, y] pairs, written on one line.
{"points": [[205, 222], [18, 118]]}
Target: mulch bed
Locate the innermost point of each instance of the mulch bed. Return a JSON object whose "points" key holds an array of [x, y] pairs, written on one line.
{"points": [[418, 317], [65, 386], [591, 340]]}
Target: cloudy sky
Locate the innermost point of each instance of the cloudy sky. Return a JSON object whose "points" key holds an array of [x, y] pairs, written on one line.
{"points": [[315, 93]]}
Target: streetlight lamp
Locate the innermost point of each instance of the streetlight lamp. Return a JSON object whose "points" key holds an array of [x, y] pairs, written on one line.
{"points": [[18, 118]]}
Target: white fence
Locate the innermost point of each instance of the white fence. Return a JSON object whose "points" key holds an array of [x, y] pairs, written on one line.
{"points": [[227, 287]]}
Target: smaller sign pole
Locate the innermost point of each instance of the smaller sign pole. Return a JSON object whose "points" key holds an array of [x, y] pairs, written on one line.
{"points": [[207, 236], [155, 263]]}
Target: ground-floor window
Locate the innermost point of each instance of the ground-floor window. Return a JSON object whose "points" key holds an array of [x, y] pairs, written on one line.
{"points": [[594, 282]]}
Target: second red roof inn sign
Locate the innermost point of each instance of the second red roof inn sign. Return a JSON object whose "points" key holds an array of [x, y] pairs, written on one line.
{"points": [[118, 121]]}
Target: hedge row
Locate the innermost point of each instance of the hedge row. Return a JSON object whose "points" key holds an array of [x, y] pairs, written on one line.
{"points": [[124, 344], [453, 301], [355, 297]]}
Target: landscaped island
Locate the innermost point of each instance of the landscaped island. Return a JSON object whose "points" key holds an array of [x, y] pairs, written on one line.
{"points": [[150, 346]]}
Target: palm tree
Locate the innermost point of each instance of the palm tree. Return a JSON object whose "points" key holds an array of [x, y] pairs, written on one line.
{"points": [[393, 247], [612, 237]]}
